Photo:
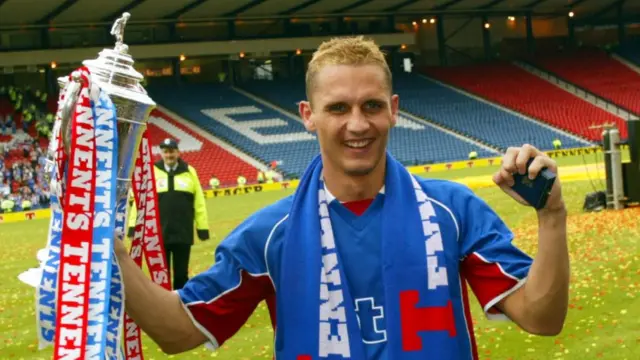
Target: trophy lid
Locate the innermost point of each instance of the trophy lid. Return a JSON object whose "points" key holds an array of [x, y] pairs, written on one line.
{"points": [[113, 69]]}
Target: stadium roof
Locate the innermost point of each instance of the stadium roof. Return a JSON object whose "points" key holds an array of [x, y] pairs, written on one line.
{"points": [[67, 12]]}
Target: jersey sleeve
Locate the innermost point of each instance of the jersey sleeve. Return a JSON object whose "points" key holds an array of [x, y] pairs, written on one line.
{"points": [[221, 299], [492, 265]]}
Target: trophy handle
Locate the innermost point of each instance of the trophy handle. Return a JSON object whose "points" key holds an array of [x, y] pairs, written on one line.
{"points": [[71, 91]]}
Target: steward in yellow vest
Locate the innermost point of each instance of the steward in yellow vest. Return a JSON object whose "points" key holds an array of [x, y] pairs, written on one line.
{"points": [[181, 203]]}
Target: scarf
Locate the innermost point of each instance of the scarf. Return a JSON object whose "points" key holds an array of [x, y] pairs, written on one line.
{"points": [[315, 311]]}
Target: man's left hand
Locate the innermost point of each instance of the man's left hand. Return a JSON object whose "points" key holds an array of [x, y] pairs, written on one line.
{"points": [[515, 161]]}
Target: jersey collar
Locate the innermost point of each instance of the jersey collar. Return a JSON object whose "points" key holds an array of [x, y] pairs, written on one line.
{"points": [[331, 197]]}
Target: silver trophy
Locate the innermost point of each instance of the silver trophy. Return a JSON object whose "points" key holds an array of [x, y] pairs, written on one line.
{"points": [[113, 72]]}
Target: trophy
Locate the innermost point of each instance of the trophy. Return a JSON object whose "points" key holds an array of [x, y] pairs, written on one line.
{"points": [[113, 71], [98, 155]]}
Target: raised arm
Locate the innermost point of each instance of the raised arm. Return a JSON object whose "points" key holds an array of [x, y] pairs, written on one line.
{"points": [[158, 312], [540, 306]]}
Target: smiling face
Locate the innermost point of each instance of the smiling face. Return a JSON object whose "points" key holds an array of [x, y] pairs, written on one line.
{"points": [[352, 111]]}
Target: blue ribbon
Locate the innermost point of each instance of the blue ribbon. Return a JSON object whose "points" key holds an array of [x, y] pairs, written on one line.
{"points": [[46, 291], [115, 322], [101, 277], [116, 305]]}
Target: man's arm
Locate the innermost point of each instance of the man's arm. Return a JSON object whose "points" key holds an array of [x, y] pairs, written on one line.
{"points": [[214, 304], [157, 311], [540, 306]]}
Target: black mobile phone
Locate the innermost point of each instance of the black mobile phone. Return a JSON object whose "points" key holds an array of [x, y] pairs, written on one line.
{"points": [[536, 191]]}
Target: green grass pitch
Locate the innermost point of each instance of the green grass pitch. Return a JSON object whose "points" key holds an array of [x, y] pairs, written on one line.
{"points": [[603, 320]]}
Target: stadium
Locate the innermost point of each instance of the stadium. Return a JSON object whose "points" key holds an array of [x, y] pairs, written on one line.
{"points": [[474, 78]]}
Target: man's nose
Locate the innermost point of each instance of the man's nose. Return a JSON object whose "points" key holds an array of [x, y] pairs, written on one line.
{"points": [[358, 122]]}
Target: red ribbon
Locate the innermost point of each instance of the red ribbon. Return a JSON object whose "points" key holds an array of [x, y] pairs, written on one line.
{"points": [[77, 231], [147, 238]]}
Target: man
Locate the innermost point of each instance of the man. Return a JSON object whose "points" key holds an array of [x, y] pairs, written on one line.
{"points": [[365, 261], [181, 203]]}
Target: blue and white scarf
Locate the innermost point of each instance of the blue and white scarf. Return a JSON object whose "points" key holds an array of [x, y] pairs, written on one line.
{"points": [[315, 311]]}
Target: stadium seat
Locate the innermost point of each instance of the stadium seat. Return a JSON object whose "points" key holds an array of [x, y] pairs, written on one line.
{"points": [[411, 141], [216, 108], [474, 118], [601, 74], [502, 83], [209, 160]]}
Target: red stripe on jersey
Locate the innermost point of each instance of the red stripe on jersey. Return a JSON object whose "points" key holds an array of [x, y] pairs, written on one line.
{"points": [[467, 315], [224, 316], [486, 279], [358, 207]]}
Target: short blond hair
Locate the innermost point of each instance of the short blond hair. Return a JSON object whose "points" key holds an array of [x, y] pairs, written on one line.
{"points": [[354, 50]]}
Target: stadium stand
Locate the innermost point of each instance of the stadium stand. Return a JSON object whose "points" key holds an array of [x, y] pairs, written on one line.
{"points": [[515, 88], [411, 141], [24, 129], [481, 120], [206, 157], [429, 100], [601, 74], [254, 129]]}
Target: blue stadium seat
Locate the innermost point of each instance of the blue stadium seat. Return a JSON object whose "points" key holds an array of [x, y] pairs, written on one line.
{"points": [[257, 130], [411, 142], [459, 112], [270, 135]]}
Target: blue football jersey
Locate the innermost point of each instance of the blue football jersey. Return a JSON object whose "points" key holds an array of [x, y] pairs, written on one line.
{"points": [[222, 298]]}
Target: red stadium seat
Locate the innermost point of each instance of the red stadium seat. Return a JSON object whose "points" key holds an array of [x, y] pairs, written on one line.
{"points": [[210, 160], [515, 88], [597, 72]]}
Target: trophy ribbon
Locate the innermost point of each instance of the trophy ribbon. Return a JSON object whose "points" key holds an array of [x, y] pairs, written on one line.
{"points": [[74, 274], [99, 130], [102, 254], [46, 290], [147, 238]]}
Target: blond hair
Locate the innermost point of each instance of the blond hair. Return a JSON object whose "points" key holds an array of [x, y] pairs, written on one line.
{"points": [[354, 51]]}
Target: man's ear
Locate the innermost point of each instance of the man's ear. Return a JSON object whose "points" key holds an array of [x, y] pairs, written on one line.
{"points": [[395, 109], [304, 107]]}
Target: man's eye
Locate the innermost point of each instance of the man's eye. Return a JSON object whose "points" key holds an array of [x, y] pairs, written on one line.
{"points": [[338, 108], [373, 105]]}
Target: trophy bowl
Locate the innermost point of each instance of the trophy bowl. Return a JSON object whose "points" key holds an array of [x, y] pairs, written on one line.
{"points": [[114, 73]]}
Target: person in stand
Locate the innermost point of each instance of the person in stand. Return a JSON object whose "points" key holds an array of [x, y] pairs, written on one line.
{"points": [[366, 261], [214, 183], [260, 178], [242, 181], [181, 204]]}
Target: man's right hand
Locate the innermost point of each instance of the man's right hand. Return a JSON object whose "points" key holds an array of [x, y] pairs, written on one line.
{"points": [[120, 248], [174, 331]]}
